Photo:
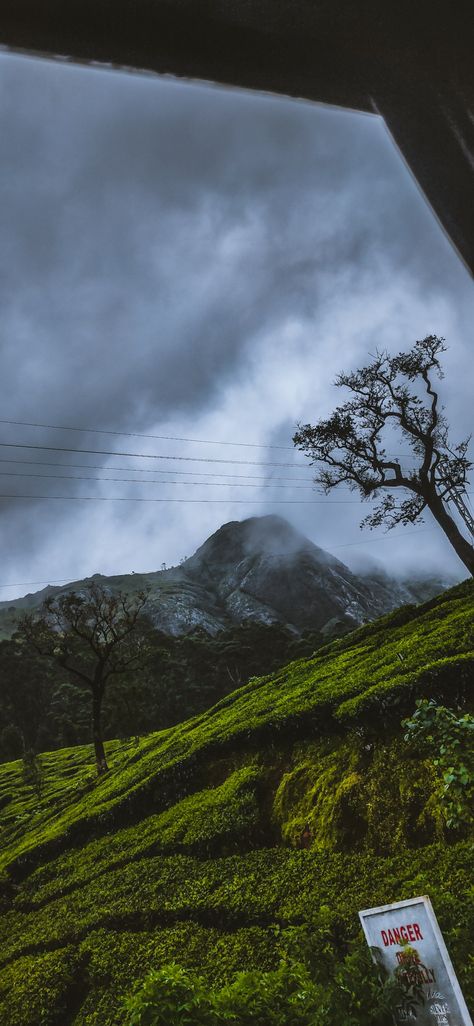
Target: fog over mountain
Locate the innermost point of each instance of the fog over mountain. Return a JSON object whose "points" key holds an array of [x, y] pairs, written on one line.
{"points": [[260, 569], [188, 262]]}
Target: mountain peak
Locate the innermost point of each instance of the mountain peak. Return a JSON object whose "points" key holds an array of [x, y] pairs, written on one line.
{"points": [[261, 569], [268, 536]]}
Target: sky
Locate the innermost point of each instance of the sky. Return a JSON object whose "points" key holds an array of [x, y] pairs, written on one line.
{"points": [[197, 263]]}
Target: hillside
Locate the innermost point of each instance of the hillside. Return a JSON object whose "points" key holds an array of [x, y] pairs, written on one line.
{"points": [[188, 848], [260, 569]]}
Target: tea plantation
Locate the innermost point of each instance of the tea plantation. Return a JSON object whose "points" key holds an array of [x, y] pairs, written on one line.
{"points": [[191, 848]]}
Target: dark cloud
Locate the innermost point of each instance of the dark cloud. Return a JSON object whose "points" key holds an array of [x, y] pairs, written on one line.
{"points": [[186, 260]]}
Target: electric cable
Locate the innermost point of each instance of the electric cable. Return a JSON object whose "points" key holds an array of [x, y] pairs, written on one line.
{"points": [[137, 434], [131, 480], [145, 455], [169, 438], [136, 498], [146, 470]]}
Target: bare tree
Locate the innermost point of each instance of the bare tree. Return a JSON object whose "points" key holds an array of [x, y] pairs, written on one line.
{"points": [[351, 446], [93, 635]]}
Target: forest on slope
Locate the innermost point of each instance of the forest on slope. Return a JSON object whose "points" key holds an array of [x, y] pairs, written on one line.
{"points": [[42, 709], [190, 849]]}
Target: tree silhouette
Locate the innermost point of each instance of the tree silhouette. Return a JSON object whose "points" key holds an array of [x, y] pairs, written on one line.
{"points": [[350, 447], [93, 635]]}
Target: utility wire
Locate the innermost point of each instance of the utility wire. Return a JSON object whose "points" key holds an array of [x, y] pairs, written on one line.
{"points": [[133, 498], [170, 438], [386, 537], [131, 480], [145, 470], [58, 580], [267, 482], [145, 455], [136, 434], [153, 481]]}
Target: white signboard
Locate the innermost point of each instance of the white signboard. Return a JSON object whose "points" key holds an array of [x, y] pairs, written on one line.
{"points": [[406, 942]]}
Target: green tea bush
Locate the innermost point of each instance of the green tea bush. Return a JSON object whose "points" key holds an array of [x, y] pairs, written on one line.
{"points": [[190, 850], [173, 996], [366, 682], [286, 996], [39, 990]]}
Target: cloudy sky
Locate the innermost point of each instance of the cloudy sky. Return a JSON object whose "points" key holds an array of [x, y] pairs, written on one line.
{"points": [[196, 263]]}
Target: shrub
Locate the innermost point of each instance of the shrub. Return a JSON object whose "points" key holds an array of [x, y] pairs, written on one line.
{"points": [[347, 994], [172, 996], [448, 737]]}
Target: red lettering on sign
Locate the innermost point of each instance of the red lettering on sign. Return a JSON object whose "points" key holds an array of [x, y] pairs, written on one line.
{"points": [[402, 934]]}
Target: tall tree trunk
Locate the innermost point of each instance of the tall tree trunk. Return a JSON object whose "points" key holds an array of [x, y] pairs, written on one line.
{"points": [[462, 547], [100, 758]]}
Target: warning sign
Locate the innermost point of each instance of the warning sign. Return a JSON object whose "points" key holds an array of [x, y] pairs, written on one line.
{"points": [[407, 944]]}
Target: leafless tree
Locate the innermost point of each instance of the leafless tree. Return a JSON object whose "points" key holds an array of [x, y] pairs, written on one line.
{"points": [[350, 447]]}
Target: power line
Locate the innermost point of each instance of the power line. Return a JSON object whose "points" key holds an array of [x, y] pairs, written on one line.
{"points": [[386, 537], [267, 483], [131, 480], [145, 455], [170, 438], [59, 580], [145, 470], [148, 456], [136, 434], [78, 580], [229, 502]]}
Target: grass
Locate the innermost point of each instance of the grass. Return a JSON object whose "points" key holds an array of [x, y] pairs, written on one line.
{"points": [[188, 848]]}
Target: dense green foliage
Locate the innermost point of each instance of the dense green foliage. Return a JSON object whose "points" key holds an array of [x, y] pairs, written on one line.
{"points": [[449, 738], [41, 708], [291, 995], [189, 850]]}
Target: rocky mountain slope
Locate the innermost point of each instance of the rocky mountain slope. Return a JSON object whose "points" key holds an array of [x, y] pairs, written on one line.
{"points": [[259, 569]]}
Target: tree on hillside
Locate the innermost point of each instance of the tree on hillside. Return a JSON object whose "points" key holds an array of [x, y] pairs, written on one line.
{"points": [[92, 635], [350, 447]]}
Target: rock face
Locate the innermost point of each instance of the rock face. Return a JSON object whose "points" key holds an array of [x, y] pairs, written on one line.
{"points": [[259, 569], [263, 569]]}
